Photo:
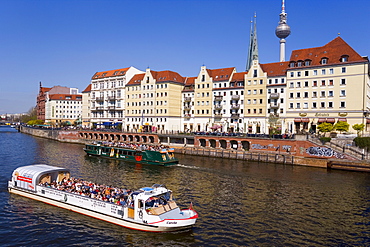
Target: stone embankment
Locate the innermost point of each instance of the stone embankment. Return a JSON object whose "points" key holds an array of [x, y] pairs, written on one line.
{"points": [[294, 152]]}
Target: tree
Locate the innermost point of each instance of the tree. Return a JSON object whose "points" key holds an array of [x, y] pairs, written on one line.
{"points": [[325, 127], [31, 115], [358, 128], [275, 124], [341, 126]]}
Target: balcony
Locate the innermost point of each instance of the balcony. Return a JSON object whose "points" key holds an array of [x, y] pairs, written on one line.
{"points": [[274, 105], [218, 98], [99, 98], [218, 107], [235, 116], [187, 107], [187, 99], [98, 108], [235, 97], [274, 96], [235, 106]]}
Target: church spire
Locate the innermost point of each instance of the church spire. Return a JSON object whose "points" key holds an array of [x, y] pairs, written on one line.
{"points": [[253, 44]]}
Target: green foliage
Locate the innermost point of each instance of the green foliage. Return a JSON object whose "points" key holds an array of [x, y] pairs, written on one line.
{"points": [[362, 142], [358, 128], [325, 139], [325, 127], [35, 122], [341, 126], [31, 115]]}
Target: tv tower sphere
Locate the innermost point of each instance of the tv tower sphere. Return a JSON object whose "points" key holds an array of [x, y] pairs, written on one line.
{"points": [[282, 30]]}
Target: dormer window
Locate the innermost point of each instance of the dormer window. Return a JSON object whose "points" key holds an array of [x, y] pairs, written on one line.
{"points": [[324, 60], [299, 64], [292, 64], [307, 62], [344, 58]]}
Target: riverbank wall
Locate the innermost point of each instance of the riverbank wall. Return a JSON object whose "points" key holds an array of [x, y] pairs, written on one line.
{"points": [[293, 152]]}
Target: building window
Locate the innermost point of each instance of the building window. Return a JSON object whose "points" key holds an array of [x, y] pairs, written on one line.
{"points": [[331, 82], [342, 81], [322, 94], [291, 84], [298, 95], [314, 94], [291, 95], [324, 60], [314, 83], [298, 73], [343, 69], [330, 94], [306, 73], [314, 105], [291, 105], [322, 82], [342, 93], [305, 105], [291, 74], [323, 72], [298, 84], [331, 71], [298, 105], [322, 104], [344, 59], [342, 104], [306, 84], [305, 94], [315, 72], [255, 73], [330, 104]]}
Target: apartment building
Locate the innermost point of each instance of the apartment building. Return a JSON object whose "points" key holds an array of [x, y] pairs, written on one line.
{"points": [[86, 107], [153, 101], [327, 84], [255, 102], [108, 96]]}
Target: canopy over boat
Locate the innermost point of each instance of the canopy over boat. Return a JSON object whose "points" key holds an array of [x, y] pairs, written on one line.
{"points": [[27, 177]]}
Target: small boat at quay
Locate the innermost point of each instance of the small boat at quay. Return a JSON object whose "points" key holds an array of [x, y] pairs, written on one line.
{"points": [[140, 154], [151, 209]]}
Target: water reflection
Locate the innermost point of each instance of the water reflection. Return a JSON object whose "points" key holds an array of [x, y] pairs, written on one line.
{"points": [[239, 203]]}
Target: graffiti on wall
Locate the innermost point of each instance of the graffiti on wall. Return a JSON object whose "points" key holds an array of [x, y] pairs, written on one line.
{"points": [[271, 146], [324, 152]]}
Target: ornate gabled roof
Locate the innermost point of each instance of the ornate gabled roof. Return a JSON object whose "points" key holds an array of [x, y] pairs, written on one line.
{"points": [[333, 51], [110, 73], [136, 80], [221, 74], [275, 69]]}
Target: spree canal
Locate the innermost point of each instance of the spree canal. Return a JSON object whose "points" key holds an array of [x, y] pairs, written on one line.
{"points": [[239, 203]]}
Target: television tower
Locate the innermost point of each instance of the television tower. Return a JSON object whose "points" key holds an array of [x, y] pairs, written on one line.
{"points": [[282, 31]]}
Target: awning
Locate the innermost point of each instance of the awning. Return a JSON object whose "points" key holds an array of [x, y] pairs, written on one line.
{"points": [[215, 127], [305, 120], [342, 119], [107, 123], [330, 120], [297, 120], [321, 120]]}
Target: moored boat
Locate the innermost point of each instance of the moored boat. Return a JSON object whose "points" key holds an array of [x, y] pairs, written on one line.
{"points": [[148, 209], [133, 153]]}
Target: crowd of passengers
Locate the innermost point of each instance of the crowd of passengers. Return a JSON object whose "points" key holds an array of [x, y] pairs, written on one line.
{"points": [[136, 146], [104, 193]]}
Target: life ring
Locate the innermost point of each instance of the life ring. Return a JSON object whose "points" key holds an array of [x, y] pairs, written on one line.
{"points": [[140, 214]]}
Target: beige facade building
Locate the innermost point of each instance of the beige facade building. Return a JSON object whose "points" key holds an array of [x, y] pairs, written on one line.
{"points": [[326, 84], [153, 101]]}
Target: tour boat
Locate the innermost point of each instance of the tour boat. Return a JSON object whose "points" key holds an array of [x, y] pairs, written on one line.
{"points": [[149, 209], [164, 157]]}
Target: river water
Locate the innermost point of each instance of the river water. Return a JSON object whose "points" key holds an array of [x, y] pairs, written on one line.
{"points": [[239, 203]]}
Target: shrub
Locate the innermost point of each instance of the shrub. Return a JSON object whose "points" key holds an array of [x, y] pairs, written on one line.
{"points": [[325, 139]]}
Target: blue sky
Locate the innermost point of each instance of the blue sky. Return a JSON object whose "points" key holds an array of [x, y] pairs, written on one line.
{"points": [[65, 42]]}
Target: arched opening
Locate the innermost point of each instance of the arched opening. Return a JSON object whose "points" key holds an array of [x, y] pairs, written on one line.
{"points": [[223, 144], [245, 145], [212, 143], [234, 144], [202, 142]]}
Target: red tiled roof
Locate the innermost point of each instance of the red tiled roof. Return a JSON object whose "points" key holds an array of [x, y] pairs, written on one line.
{"points": [[44, 89], [220, 74], [190, 81], [275, 69], [77, 97], [136, 80], [333, 51], [87, 89], [167, 75], [238, 76], [110, 73]]}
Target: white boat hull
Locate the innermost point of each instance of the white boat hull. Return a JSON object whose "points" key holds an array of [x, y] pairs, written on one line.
{"points": [[165, 225]]}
